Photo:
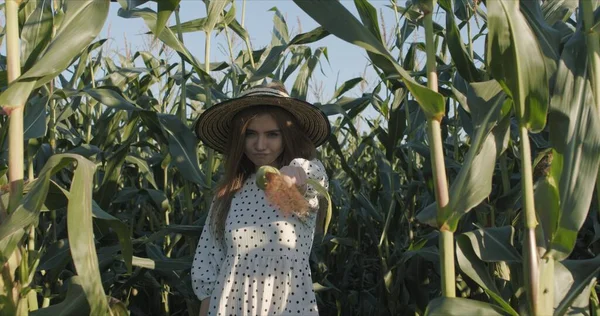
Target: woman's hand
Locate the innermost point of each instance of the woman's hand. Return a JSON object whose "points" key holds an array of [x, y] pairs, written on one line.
{"points": [[294, 176]]}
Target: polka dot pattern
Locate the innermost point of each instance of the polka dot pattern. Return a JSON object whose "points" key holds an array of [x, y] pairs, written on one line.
{"points": [[262, 268]]}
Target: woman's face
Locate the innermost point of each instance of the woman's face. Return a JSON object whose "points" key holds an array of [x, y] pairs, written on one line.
{"points": [[263, 141]]}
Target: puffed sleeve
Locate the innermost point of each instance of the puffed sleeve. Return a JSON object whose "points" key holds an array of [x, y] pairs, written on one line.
{"points": [[314, 170], [207, 262]]}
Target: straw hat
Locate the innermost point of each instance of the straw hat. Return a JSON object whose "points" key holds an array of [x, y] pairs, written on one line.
{"points": [[214, 125]]}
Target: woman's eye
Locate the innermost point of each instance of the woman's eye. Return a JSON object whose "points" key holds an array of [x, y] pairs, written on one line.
{"points": [[274, 135]]}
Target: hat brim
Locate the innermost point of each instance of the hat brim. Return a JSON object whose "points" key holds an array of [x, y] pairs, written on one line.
{"points": [[214, 125]]}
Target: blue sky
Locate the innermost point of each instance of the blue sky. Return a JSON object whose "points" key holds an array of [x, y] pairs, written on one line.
{"points": [[346, 61]]}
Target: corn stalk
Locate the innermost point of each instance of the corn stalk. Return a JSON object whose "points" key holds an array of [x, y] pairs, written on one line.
{"points": [[531, 260], [15, 155], [10, 288], [437, 162]]}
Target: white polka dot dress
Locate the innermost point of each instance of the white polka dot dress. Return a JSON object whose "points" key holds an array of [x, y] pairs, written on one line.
{"points": [[262, 268]]}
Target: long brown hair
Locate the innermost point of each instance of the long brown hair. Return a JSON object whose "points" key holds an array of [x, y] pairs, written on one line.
{"points": [[238, 167]]}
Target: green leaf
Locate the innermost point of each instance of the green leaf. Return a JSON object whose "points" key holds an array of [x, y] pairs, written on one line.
{"points": [[111, 176], [493, 244], [322, 191], [269, 64], [81, 236], [182, 142], [346, 86], [300, 87], [28, 211], [111, 97], [477, 270], [397, 122], [309, 37], [56, 255], [188, 230], [82, 22], [368, 16], [451, 306], [34, 120], [75, 302], [547, 202], [463, 9], [213, 13], [336, 19], [194, 25], [143, 169], [168, 37], [165, 9], [573, 280], [280, 29], [474, 181], [549, 38], [83, 64], [121, 229], [299, 54], [458, 51], [36, 33], [182, 146], [558, 10], [575, 135], [516, 61], [239, 30]]}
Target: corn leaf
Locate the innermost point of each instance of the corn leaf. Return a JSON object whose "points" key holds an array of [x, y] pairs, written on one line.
{"points": [[474, 181], [82, 22], [573, 280], [36, 32], [34, 122], [168, 37], [458, 51], [337, 20], [214, 8], [75, 302], [165, 9], [476, 269], [516, 61], [452, 306], [81, 236], [558, 10], [575, 133]]}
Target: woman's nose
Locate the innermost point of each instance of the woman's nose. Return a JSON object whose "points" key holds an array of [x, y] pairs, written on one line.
{"points": [[261, 143]]}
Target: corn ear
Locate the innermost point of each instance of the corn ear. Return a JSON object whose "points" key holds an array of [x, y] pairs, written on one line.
{"points": [[261, 176]]}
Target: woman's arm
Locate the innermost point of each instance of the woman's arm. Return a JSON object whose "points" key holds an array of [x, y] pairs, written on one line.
{"points": [[208, 258], [204, 307]]}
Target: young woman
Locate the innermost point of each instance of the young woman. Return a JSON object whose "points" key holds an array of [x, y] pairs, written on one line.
{"points": [[252, 259]]}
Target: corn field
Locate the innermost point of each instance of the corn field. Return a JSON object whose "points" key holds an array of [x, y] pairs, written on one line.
{"points": [[473, 191]]}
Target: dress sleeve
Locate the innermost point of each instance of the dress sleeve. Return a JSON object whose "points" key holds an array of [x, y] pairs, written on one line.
{"points": [[314, 170], [207, 261]]}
